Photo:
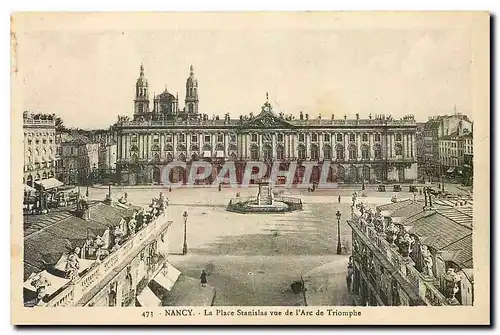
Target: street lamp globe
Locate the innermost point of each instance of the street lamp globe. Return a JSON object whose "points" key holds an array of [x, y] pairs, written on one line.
{"points": [[338, 214]]}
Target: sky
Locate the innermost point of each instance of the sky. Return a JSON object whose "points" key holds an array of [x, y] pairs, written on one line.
{"points": [[87, 74]]}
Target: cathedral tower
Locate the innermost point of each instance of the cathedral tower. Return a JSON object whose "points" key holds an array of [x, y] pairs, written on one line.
{"points": [[141, 102], [191, 94]]}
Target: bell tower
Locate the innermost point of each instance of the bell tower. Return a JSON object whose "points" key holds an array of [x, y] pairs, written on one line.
{"points": [[191, 94], [141, 102]]}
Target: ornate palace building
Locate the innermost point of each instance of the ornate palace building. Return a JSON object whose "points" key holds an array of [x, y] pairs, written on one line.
{"points": [[374, 149]]}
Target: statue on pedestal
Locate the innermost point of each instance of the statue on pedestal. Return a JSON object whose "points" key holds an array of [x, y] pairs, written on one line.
{"points": [[391, 233], [40, 283], [73, 265], [405, 244], [427, 261], [452, 280]]}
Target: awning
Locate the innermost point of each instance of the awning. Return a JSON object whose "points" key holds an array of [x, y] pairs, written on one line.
{"points": [[220, 154], [54, 283], [207, 154], [49, 183], [84, 264], [450, 170], [148, 299], [29, 189], [167, 277]]}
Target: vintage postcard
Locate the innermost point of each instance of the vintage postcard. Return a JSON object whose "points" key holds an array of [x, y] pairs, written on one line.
{"points": [[318, 168]]}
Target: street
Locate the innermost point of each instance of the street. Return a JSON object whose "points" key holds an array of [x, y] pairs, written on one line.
{"points": [[252, 259]]}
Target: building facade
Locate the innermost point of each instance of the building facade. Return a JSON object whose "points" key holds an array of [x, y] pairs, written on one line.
{"points": [[408, 254], [39, 147], [376, 148], [80, 159], [433, 130]]}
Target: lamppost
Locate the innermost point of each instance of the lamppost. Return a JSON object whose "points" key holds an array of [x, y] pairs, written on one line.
{"points": [[339, 244], [185, 247]]}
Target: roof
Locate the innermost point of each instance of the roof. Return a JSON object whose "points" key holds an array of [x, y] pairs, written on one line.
{"points": [[461, 215], [436, 230], [49, 183], [110, 215], [453, 136], [44, 249], [459, 252], [74, 138], [404, 208]]}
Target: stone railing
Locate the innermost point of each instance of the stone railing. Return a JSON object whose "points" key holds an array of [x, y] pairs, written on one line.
{"points": [[31, 122], [74, 292], [424, 286]]}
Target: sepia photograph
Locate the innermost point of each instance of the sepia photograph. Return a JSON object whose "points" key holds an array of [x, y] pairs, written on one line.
{"points": [[290, 167]]}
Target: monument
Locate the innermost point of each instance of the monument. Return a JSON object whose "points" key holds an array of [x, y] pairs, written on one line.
{"points": [[265, 202]]}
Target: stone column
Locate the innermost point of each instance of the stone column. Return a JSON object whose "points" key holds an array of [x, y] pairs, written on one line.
{"points": [[295, 140], [358, 145], [188, 146], [162, 145], [174, 153], [321, 144], [226, 145], [346, 146], [308, 145], [333, 141], [273, 137], [371, 139]]}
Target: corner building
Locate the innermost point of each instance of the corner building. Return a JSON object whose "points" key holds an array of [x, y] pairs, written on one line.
{"points": [[375, 149]]}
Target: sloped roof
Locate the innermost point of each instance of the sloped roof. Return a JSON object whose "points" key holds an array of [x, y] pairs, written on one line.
{"points": [[437, 230], [459, 252], [461, 215]]}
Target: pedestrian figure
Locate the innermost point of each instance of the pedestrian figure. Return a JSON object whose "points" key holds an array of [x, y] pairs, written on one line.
{"points": [[170, 188], [339, 198], [350, 273], [220, 187], [203, 278]]}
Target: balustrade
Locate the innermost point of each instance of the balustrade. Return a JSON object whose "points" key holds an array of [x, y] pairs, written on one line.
{"points": [[75, 291], [425, 287]]}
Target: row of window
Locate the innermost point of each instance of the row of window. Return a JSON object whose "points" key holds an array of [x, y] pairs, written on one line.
{"points": [[37, 152], [37, 141], [194, 138], [352, 152], [280, 138]]}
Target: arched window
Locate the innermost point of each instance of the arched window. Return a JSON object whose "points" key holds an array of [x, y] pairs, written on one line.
{"points": [[340, 173], [268, 152], [398, 149], [314, 152], [353, 152], [232, 156], [327, 152], [182, 157], [134, 158], [169, 157], [302, 152], [339, 150], [365, 152], [353, 173], [219, 147], [254, 152], [280, 153], [156, 157], [190, 108], [194, 157], [366, 172], [377, 151]]}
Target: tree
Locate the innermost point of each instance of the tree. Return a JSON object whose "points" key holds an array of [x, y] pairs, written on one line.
{"points": [[59, 124]]}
